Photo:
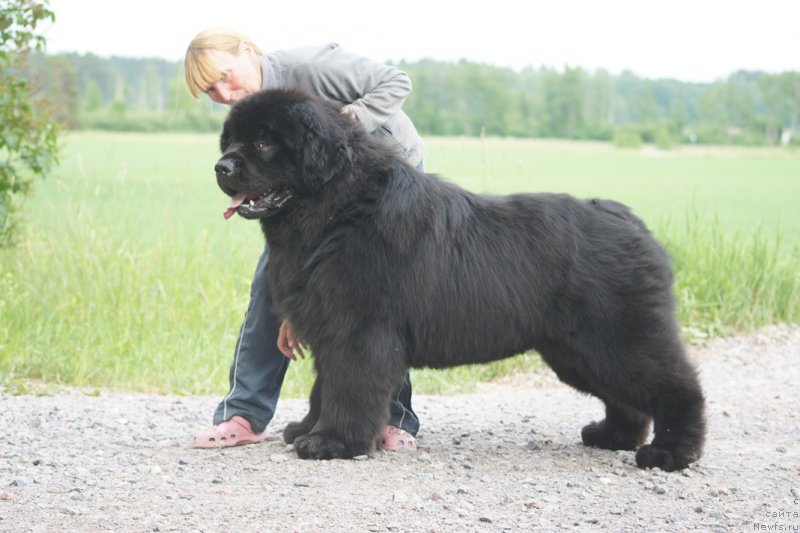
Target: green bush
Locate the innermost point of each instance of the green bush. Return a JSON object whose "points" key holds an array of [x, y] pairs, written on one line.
{"points": [[28, 141], [664, 140], [627, 136]]}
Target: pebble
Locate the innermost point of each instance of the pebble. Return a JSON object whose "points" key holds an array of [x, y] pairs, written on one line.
{"points": [[399, 497]]}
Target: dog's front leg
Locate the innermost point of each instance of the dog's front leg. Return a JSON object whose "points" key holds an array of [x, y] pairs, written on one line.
{"points": [[356, 391], [293, 430]]}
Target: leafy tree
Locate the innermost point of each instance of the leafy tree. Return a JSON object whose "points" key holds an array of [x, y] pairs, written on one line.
{"points": [[28, 136], [93, 97], [59, 73]]}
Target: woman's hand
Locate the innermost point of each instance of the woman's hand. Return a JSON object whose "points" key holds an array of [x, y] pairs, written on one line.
{"points": [[347, 110], [288, 343]]}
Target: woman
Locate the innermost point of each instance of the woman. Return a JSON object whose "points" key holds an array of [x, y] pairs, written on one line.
{"points": [[227, 66]]}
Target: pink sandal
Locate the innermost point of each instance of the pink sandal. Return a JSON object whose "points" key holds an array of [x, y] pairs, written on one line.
{"points": [[234, 432], [394, 439]]}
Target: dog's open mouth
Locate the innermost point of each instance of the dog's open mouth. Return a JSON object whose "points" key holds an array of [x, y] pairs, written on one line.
{"points": [[255, 205]]}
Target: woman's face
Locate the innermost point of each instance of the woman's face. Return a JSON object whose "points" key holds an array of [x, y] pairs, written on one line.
{"points": [[241, 75]]}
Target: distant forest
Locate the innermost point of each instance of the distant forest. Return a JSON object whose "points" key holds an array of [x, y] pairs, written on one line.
{"points": [[464, 98]]}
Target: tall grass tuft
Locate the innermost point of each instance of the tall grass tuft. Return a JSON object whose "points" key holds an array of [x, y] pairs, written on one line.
{"points": [[725, 283]]}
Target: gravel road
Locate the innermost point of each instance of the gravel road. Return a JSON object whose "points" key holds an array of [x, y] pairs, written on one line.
{"points": [[121, 462]]}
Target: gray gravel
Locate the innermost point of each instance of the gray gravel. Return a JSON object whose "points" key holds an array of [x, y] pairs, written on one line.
{"points": [[121, 462]]}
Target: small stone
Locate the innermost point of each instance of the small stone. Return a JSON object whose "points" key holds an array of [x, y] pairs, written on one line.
{"points": [[659, 489], [360, 457], [302, 483], [698, 509], [486, 519], [277, 457], [780, 449], [616, 511], [183, 462], [462, 490], [217, 480], [37, 462], [289, 448]]}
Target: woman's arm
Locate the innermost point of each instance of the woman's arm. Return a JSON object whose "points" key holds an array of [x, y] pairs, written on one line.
{"points": [[372, 90]]}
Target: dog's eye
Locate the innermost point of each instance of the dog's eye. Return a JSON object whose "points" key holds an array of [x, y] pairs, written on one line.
{"points": [[262, 146]]}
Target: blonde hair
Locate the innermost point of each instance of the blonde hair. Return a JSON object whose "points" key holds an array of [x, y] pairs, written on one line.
{"points": [[199, 68]]}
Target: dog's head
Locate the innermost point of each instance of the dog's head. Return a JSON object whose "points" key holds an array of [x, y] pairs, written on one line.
{"points": [[278, 146]]}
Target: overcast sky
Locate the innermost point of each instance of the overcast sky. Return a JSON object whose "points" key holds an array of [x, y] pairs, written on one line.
{"points": [[699, 40]]}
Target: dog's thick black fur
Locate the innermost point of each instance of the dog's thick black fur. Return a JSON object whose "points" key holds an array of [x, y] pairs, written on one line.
{"points": [[380, 267]]}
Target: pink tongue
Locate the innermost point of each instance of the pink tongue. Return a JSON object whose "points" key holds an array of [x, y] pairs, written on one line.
{"points": [[236, 201]]}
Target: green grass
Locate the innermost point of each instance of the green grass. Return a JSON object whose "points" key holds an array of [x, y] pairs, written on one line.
{"points": [[128, 276]]}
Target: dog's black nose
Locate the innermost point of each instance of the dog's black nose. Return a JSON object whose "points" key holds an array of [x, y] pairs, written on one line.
{"points": [[225, 167]]}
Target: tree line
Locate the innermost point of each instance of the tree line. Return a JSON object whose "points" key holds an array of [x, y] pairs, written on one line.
{"points": [[464, 98]]}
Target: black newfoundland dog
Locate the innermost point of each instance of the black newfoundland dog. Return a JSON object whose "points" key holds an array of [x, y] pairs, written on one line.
{"points": [[380, 267]]}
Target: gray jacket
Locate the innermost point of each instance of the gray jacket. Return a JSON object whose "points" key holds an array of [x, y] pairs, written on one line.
{"points": [[373, 90]]}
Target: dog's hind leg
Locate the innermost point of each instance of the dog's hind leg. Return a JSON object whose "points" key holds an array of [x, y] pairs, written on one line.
{"points": [[679, 421], [624, 428], [659, 382]]}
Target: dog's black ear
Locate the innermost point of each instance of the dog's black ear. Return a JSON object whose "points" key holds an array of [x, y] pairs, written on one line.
{"points": [[322, 150]]}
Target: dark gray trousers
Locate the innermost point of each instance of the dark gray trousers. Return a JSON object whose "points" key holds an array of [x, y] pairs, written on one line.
{"points": [[259, 367]]}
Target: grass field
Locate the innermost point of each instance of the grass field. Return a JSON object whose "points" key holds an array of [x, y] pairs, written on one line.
{"points": [[129, 277]]}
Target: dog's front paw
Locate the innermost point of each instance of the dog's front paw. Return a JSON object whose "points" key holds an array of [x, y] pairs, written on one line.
{"points": [[294, 430], [319, 446]]}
